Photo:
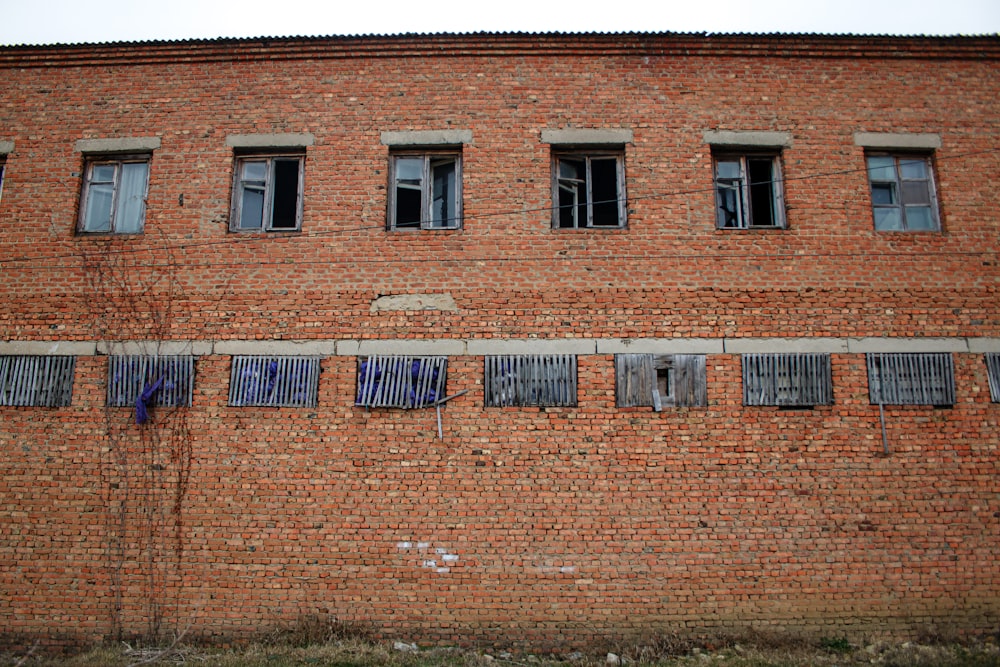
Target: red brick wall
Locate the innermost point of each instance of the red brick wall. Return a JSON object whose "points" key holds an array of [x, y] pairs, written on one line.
{"points": [[558, 524]]}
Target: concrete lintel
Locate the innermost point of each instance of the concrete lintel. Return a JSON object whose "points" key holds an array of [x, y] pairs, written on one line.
{"points": [[913, 345], [980, 345], [284, 140], [749, 139], [427, 137], [897, 140], [785, 345], [155, 347], [286, 348], [49, 348], [588, 137], [6, 147], [120, 145], [490, 346], [660, 346], [414, 302], [412, 347]]}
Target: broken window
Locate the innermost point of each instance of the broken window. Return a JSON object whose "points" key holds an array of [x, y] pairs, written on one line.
{"points": [[588, 190], [391, 381], [274, 381], [993, 371], [659, 380], [267, 193], [168, 380], [911, 379], [903, 196], [3, 164], [748, 191], [36, 381], [426, 191], [787, 380], [536, 379], [114, 194]]}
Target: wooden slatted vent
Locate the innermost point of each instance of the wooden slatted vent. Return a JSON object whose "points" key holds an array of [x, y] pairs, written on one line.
{"points": [[40, 381], [274, 381], [911, 379], [659, 380], [993, 370], [535, 379], [171, 376], [399, 381], [787, 380]]}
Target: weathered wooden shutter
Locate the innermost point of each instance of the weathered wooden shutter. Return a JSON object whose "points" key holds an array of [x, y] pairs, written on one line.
{"points": [[274, 381], [911, 379], [789, 380], [397, 381], [40, 381], [636, 379], [535, 379], [129, 375], [993, 371], [690, 385]]}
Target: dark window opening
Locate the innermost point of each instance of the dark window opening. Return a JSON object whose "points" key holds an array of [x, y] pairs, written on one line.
{"points": [[748, 192], [268, 193], [589, 191], [426, 191]]}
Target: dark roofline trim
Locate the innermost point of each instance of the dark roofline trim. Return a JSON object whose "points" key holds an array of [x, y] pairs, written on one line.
{"points": [[492, 45]]}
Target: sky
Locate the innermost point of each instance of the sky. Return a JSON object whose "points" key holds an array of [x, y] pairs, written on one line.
{"points": [[73, 21]]}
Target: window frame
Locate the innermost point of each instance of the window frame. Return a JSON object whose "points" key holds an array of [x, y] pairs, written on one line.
{"points": [[129, 375], [401, 381], [427, 220], [518, 380], [897, 156], [269, 190], [30, 380], [745, 188], [245, 388], [89, 186], [787, 380], [903, 366], [588, 155], [638, 376], [3, 172]]}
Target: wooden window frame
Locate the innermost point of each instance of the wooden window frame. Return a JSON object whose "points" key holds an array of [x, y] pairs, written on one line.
{"points": [[274, 381], [992, 360], [427, 220], [660, 380], [898, 187], [540, 380], [268, 187], [90, 184], [916, 379], [587, 156], [745, 190], [130, 375], [36, 381], [799, 380], [401, 381]]}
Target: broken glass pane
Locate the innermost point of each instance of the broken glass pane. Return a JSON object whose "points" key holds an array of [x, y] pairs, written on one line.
{"points": [[730, 205], [572, 193], [884, 194]]}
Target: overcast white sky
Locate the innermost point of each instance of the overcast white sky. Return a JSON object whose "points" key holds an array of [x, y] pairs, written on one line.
{"points": [[73, 21]]}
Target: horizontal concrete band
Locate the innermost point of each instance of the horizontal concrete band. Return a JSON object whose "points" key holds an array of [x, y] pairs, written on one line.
{"points": [[118, 145], [6, 147], [427, 137], [283, 140], [492, 346]]}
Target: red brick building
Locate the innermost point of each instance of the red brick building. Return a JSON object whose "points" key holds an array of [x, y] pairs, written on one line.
{"points": [[500, 337]]}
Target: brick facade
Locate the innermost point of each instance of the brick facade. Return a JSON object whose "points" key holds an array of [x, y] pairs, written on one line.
{"points": [[521, 524]]}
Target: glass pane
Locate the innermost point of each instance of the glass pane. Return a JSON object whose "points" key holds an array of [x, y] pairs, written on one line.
{"points": [[604, 190], [729, 203], [920, 218], [882, 168], [98, 215], [912, 168], [916, 192], [284, 206], [251, 207], [443, 204], [887, 219], [255, 171], [571, 169], [884, 193], [727, 169], [131, 198], [103, 173], [409, 169]]}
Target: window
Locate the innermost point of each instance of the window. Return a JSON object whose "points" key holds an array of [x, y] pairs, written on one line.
{"points": [[426, 191], [3, 163], [787, 380], [166, 381], [36, 381], [538, 379], [748, 192], [993, 370], [114, 194], [660, 379], [588, 190], [911, 379], [903, 196], [274, 381], [267, 193], [401, 381]]}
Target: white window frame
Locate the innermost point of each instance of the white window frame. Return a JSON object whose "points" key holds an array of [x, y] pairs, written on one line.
{"points": [[426, 186], [583, 188], [898, 187], [268, 189], [116, 223], [745, 191]]}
